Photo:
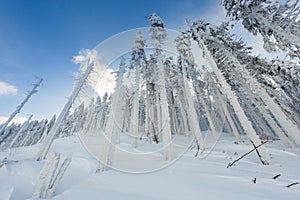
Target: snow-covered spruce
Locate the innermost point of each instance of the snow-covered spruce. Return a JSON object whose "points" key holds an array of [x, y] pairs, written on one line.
{"points": [[251, 85], [199, 36], [137, 62], [277, 23], [186, 61], [158, 36]]}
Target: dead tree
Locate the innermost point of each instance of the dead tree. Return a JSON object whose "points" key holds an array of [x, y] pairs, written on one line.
{"points": [[41, 155], [48, 179], [34, 90]]}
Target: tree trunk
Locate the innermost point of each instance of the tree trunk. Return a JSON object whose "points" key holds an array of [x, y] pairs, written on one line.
{"points": [[134, 120], [246, 124], [165, 126], [41, 155]]}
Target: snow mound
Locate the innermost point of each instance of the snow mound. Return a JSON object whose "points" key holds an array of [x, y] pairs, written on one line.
{"points": [[187, 178]]}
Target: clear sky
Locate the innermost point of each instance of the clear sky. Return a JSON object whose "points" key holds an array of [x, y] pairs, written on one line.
{"points": [[39, 37]]}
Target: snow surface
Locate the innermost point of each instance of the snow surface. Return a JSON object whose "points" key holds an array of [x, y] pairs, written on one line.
{"points": [[187, 178]]}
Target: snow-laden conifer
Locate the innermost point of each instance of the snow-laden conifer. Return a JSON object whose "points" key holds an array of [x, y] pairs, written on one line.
{"points": [[158, 36], [278, 24]]}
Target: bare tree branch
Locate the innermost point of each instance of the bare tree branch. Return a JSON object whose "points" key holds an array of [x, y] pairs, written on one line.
{"points": [[255, 148]]}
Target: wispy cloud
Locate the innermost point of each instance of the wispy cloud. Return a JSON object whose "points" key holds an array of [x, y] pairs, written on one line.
{"points": [[106, 81], [102, 78], [84, 55], [18, 120], [7, 89]]}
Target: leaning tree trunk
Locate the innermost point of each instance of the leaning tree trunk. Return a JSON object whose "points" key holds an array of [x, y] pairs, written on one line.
{"points": [[41, 155], [165, 126], [134, 120], [191, 111], [287, 124], [34, 90], [228, 116], [113, 125], [246, 124]]}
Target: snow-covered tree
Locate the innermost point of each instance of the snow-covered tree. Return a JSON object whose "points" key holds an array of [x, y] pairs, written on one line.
{"points": [[280, 78], [205, 35], [174, 91], [28, 133], [33, 136], [137, 63], [23, 128], [113, 124], [278, 24], [186, 61], [158, 36], [224, 52], [78, 118]]}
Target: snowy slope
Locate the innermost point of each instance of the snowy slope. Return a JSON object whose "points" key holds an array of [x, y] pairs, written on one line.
{"points": [[187, 178]]}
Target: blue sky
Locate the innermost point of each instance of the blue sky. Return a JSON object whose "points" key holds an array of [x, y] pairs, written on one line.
{"points": [[39, 38]]}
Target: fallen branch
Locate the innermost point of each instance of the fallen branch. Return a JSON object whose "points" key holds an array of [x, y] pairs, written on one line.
{"points": [[198, 148], [255, 148], [276, 176], [290, 185], [261, 160]]}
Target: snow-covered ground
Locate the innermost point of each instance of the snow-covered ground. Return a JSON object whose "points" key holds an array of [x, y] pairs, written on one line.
{"points": [[187, 178]]}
